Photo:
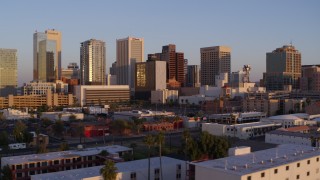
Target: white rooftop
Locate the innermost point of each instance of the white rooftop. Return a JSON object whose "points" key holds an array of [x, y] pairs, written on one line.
{"points": [[61, 155], [252, 162], [244, 125], [131, 166], [285, 117]]}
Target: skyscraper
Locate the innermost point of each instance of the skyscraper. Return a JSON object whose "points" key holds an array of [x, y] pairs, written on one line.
{"points": [[47, 55], [8, 71], [310, 80], [150, 76], [283, 68], [130, 50], [214, 60], [193, 76], [93, 62]]}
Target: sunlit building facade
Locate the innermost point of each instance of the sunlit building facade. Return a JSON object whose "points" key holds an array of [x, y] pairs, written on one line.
{"points": [[93, 62], [47, 55], [130, 50], [8, 71], [214, 60]]}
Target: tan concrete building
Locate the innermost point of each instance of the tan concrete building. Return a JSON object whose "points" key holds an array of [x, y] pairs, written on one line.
{"points": [[283, 68], [89, 95], [47, 55], [214, 60], [269, 106], [8, 71], [130, 50], [93, 62], [310, 80], [35, 101]]}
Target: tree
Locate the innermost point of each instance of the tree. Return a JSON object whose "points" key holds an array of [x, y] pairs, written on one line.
{"points": [[160, 141], [42, 148], [109, 171], [58, 128], [149, 140], [6, 171], [46, 122], [72, 117], [64, 146], [4, 141], [138, 122], [133, 145], [18, 131], [2, 116], [119, 126], [27, 137], [104, 153]]}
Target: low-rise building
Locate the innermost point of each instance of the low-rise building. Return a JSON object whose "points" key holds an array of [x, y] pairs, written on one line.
{"points": [[171, 169], [22, 167], [288, 120], [97, 95], [41, 88], [163, 96], [241, 131], [14, 114], [35, 101], [287, 161], [149, 115], [289, 137], [236, 118], [63, 116]]}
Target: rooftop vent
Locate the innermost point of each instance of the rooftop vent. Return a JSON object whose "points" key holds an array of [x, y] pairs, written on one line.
{"points": [[234, 167], [246, 166], [261, 162], [271, 160]]}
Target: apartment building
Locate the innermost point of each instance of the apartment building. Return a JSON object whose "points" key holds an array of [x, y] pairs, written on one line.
{"points": [[22, 167]]}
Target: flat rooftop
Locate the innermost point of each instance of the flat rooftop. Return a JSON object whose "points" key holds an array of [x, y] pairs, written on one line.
{"points": [[294, 134], [252, 162], [244, 125], [244, 114], [131, 166], [61, 155]]}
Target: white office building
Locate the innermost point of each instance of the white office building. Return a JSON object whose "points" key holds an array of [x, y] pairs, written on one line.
{"points": [[285, 162], [172, 169]]}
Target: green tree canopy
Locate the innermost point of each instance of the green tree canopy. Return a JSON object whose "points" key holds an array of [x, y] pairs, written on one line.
{"points": [[18, 131], [109, 171]]}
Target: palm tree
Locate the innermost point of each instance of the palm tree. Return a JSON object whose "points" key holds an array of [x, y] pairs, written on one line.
{"points": [[149, 140], [109, 171], [160, 141]]}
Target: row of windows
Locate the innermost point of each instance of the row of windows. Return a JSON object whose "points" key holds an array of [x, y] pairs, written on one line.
{"points": [[287, 169]]}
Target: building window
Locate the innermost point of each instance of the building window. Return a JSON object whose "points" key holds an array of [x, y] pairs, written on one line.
{"points": [[157, 171], [19, 166], [262, 174], [32, 173], [179, 166], [178, 176], [317, 159], [308, 162], [44, 164], [133, 176], [308, 173], [67, 160], [287, 168], [298, 164], [56, 162], [298, 176], [31, 165], [19, 174], [276, 171], [249, 178]]}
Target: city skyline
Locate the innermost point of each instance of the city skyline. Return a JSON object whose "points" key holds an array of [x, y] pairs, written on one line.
{"points": [[250, 28]]}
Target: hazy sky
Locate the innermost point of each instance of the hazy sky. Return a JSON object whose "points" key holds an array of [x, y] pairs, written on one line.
{"points": [[250, 27]]}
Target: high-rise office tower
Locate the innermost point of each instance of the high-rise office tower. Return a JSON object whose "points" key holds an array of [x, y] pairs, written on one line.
{"points": [[149, 76], [193, 76], [283, 68], [214, 60], [47, 55], [176, 64], [310, 80], [8, 71], [93, 62], [130, 50]]}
